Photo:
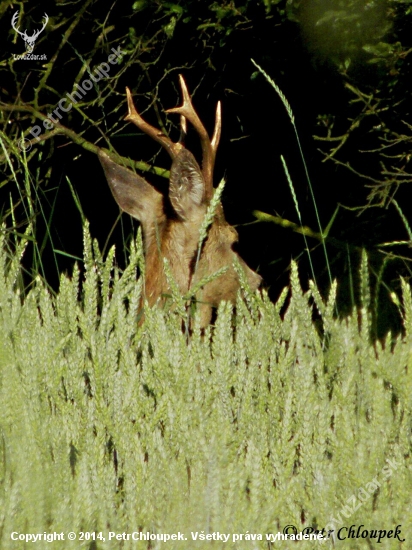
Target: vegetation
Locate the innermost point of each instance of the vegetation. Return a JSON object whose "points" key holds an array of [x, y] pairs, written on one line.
{"points": [[344, 67], [291, 410], [265, 421]]}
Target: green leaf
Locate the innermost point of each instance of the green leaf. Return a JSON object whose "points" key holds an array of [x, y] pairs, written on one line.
{"points": [[381, 49], [170, 28], [140, 5]]}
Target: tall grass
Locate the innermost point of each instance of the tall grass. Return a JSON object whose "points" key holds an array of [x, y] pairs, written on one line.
{"points": [[279, 414], [267, 420]]}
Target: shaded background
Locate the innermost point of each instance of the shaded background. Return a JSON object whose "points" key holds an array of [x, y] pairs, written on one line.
{"points": [[344, 67]]}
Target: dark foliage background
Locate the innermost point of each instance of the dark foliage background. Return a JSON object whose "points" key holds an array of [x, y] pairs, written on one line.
{"points": [[343, 65]]}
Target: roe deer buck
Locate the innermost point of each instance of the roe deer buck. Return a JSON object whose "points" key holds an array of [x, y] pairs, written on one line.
{"points": [[171, 223]]}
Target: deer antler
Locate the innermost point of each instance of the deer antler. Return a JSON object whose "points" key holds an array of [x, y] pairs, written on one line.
{"points": [[209, 147], [36, 34], [13, 23], [133, 116], [186, 112]]}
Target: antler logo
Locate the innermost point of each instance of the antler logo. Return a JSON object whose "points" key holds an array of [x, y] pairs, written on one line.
{"points": [[29, 40]]}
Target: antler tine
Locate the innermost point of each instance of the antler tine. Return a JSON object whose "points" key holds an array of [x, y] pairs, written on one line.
{"points": [[218, 127], [183, 129], [208, 147], [133, 116]]}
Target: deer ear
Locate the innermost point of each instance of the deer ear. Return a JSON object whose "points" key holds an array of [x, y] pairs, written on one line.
{"points": [[132, 192], [186, 185]]}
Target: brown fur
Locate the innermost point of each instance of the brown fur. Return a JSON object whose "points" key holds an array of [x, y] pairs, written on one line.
{"points": [[176, 237]]}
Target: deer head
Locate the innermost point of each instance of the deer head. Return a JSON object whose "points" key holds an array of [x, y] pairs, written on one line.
{"points": [[171, 221], [29, 40]]}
